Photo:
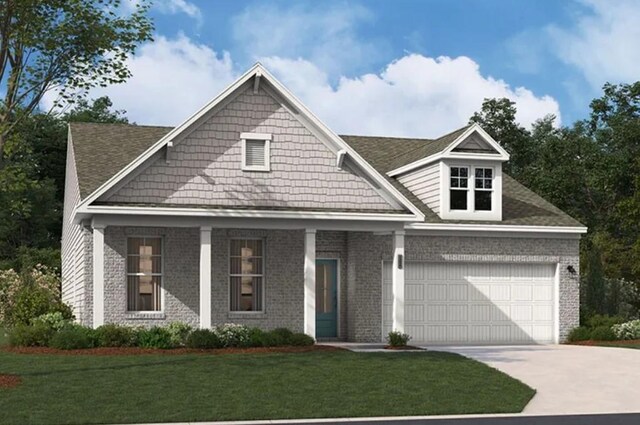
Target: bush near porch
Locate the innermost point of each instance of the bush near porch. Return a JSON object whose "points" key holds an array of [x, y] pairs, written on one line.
{"points": [[55, 331], [602, 328]]}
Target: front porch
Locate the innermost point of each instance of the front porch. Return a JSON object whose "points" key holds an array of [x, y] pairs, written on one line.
{"points": [[324, 279]]}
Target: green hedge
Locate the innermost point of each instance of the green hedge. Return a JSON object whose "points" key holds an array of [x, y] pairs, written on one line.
{"points": [[57, 332]]}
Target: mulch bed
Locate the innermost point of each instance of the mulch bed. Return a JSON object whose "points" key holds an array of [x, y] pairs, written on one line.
{"points": [[134, 351], [9, 381], [617, 342], [403, 348]]}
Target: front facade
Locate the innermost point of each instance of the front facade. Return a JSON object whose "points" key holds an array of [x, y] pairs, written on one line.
{"points": [[253, 211]]}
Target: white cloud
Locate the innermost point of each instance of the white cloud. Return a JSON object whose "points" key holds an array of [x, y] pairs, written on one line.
{"points": [[179, 6], [414, 96], [171, 79], [603, 42], [326, 35]]}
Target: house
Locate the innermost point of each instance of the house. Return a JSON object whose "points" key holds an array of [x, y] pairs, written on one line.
{"points": [[253, 211]]}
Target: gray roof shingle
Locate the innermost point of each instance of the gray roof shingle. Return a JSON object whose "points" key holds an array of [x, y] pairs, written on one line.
{"points": [[101, 150]]}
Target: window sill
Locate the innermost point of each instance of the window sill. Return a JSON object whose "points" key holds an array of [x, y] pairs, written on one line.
{"points": [[145, 315], [246, 315]]}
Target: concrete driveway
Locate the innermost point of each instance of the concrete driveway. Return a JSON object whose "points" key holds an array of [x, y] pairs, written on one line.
{"points": [[568, 378]]}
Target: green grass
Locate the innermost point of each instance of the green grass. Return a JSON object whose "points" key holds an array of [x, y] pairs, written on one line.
{"points": [[154, 388]]}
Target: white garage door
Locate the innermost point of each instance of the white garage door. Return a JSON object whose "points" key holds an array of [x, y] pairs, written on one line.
{"points": [[473, 303]]}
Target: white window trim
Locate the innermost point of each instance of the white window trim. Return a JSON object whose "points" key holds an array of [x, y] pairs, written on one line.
{"points": [[237, 313], [262, 137], [493, 175], [467, 189], [446, 213], [149, 313]]}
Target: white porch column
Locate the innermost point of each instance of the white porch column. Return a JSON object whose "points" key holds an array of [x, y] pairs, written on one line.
{"points": [[205, 277], [398, 281], [98, 275], [310, 282]]}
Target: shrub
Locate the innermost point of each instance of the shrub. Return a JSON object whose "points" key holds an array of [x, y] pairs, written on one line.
{"points": [[627, 330], [73, 337], [300, 339], [258, 338], [232, 335], [603, 333], [203, 338], [398, 339], [54, 321], [602, 320], [179, 332], [23, 297], [36, 335], [581, 333], [155, 337], [112, 335]]}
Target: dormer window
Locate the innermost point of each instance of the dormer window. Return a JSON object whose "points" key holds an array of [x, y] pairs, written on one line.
{"points": [[256, 151], [459, 188], [483, 189]]}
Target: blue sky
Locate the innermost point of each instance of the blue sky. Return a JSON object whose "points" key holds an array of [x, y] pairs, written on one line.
{"points": [[413, 68]]}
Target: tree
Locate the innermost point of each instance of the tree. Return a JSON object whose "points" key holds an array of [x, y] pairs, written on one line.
{"points": [[498, 118], [32, 184], [69, 46]]}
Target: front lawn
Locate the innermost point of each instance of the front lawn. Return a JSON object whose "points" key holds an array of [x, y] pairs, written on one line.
{"points": [[63, 389]]}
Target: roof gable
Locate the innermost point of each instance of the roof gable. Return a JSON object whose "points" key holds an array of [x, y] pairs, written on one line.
{"points": [[256, 77], [204, 168]]}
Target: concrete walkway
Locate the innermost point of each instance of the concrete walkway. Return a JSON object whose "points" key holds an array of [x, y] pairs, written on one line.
{"points": [[568, 378]]}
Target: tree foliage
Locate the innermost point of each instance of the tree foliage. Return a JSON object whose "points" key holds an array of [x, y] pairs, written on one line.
{"points": [[69, 46]]}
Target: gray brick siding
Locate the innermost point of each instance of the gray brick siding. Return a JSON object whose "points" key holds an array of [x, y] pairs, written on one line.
{"points": [[283, 282], [205, 167], [361, 255], [365, 317]]}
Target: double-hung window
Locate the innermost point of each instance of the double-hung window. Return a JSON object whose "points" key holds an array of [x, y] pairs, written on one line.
{"points": [[483, 189], [144, 274], [246, 272], [459, 188]]}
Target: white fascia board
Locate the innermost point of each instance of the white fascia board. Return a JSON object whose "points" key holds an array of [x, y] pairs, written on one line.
{"points": [[170, 136], [256, 69], [448, 153], [201, 212], [461, 227]]}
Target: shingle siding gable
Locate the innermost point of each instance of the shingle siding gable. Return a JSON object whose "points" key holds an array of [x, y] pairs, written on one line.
{"points": [[205, 167]]}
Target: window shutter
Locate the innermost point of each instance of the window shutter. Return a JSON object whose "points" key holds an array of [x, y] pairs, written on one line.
{"points": [[255, 153]]}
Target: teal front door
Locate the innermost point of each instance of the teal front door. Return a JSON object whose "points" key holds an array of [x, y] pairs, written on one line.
{"points": [[326, 298]]}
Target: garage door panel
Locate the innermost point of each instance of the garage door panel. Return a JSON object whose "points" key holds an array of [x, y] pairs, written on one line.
{"points": [[436, 313], [500, 292], [458, 313], [542, 292], [480, 313], [542, 313], [414, 313], [457, 291], [414, 291], [522, 292], [436, 292], [521, 313]]}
